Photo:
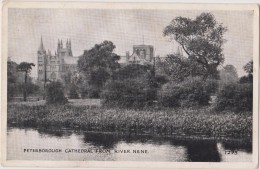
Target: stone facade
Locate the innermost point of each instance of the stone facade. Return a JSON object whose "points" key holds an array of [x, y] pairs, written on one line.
{"points": [[52, 67], [142, 54]]}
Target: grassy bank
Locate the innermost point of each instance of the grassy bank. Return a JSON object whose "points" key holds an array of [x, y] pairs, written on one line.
{"points": [[200, 122]]}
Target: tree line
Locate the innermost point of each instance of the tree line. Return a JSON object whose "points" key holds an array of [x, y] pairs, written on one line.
{"points": [[177, 80]]}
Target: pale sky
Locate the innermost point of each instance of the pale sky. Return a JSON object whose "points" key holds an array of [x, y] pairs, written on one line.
{"points": [[125, 28]]}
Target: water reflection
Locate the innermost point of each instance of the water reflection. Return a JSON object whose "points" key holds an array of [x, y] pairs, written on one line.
{"points": [[106, 141], [203, 151], [159, 148], [55, 133], [240, 145]]}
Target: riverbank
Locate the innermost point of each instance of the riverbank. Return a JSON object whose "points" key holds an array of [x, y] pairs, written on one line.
{"points": [[202, 122]]}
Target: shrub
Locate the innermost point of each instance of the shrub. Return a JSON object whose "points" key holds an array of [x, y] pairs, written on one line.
{"points": [[190, 92], [235, 97], [55, 93], [133, 86], [128, 94]]}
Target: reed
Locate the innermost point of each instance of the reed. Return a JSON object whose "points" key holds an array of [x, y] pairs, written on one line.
{"points": [[203, 121]]}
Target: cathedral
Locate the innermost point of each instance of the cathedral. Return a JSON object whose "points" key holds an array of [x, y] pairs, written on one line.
{"points": [[142, 54], [52, 67]]}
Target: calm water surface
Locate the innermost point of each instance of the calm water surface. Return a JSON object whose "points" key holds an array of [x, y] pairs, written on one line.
{"points": [[107, 146]]}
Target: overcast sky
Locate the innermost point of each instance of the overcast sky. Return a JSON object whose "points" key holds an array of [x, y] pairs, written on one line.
{"points": [[125, 28]]}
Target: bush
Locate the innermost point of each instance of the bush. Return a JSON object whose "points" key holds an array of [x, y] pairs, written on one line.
{"points": [[133, 86], [235, 97], [128, 94], [190, 92], [54, 93]]}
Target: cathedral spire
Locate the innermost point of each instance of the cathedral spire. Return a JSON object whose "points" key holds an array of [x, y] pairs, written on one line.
{"points": [[61, 44], [41, 47]]}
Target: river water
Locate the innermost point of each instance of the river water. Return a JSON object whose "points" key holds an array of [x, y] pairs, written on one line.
{"points": [[26, 144]]}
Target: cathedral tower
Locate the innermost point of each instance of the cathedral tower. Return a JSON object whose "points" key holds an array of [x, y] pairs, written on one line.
{"points": [[41, 61]]}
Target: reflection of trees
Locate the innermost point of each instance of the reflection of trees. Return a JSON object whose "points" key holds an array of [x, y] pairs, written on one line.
{"points": [[55, 133], [107, 141], [244, 145], [197, 150], [202, 151]]}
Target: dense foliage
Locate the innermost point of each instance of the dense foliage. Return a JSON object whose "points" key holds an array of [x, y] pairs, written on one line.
{"points": [[178, 122], [97, 66], [16, 85], [26, 68], [248, 68], [201, 39], [191, 92], [235, 97], [132, 86], [55, 93]]}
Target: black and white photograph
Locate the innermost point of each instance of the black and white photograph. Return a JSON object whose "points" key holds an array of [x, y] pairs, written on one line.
{"points": [[129, 83]]}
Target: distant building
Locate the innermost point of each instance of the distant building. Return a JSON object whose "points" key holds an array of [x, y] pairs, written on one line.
{"points": [[52, 67], [142, 54]]}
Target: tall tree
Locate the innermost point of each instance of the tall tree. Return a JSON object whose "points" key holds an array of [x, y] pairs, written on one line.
{"points": [[26, 68], [11, 79], [229, 74], [248, 68], [178, 67], [98, 65], [201, 39]]}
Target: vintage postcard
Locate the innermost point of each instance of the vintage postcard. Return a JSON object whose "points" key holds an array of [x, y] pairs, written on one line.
{"points": [[137, 85]]}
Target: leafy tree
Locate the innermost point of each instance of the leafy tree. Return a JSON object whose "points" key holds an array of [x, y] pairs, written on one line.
{"points": [[178, 68], [11, 79], [248, 68], [193, 91], [132, 86], [55, 93], [201, 39], [26, 68], [227, 75], [70, 81], [97, 65], [235, 97], [128, 93], [131, 71]]}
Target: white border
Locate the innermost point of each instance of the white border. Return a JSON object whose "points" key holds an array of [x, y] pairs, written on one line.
{"points": [[116, 164]]}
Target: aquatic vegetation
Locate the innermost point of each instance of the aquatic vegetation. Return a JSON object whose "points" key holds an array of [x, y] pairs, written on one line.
{"points": [[204, 122]]}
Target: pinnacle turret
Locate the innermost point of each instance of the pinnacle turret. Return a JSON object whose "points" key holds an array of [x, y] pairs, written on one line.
{"points": [[41, 47]]}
